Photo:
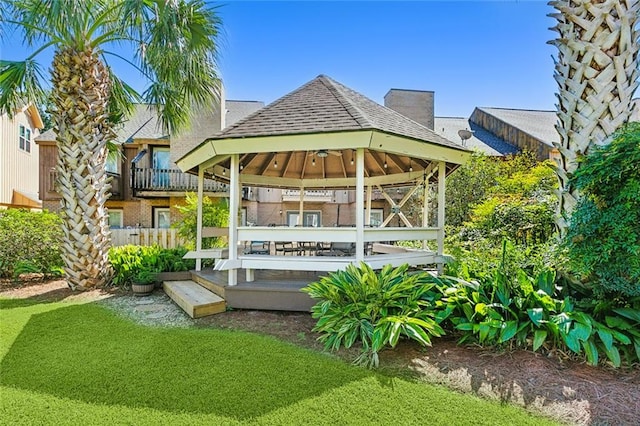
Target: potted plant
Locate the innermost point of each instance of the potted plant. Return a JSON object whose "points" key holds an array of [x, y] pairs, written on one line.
{"points": [[143, 282]]}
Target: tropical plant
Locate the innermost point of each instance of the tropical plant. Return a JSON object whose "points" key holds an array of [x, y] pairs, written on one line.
{"points": [[129, 260], [603, 238], [30, 242], [175, 48], [375, 308], [214, 214], [535, 312], [597, 74]]}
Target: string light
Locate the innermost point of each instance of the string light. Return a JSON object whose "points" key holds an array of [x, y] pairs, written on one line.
{"points": [[410, 165], [313, 161], [352, 158], [385, 160], [241, 166], [224, 171], [275, 164]]}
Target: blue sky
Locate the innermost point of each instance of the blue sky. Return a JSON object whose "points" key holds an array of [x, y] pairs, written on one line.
{"points": [[472, 53]]}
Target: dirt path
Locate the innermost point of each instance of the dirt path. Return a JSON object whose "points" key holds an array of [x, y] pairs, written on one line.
{"points": [[569, 391]]}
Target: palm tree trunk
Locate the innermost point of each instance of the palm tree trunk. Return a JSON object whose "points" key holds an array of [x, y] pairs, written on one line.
{"points": [[80, 94], [596, 71]]}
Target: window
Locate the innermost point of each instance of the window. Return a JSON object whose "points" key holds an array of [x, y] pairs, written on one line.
{"points": [[162, 217], [310, 219], [160, 163], [115, 218], [24, 141], [112, 162], [376, 217]]}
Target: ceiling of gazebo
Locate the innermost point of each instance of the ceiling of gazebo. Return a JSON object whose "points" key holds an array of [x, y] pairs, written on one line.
{"points": [[336, 170], [283, 143]]}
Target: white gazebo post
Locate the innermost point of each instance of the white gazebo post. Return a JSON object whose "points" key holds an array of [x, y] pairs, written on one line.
{"points": [[199, 216], [234, 197], [359, 205], [425, 208], [441, 189], [367, 213], [300, 221]]}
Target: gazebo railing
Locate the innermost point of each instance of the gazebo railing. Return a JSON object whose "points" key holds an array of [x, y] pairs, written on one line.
{"points": [[323, 234]]}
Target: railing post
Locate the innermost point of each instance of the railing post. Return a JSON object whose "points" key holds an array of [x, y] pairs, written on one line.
{"points": [[199, 216]]}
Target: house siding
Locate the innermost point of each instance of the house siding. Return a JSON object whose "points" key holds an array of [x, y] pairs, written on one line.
{"points": [[18, 169]]}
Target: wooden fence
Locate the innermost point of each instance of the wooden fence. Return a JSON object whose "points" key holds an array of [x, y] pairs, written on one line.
{"points": [[166, 238]]}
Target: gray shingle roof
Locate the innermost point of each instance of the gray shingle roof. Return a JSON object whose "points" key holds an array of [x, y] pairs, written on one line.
{"points": [[323, 105], [482, 140], [142, 124], [539, 124]]}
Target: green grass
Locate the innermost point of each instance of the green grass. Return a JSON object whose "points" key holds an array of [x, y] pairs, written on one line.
{"points": [[81, 364]]}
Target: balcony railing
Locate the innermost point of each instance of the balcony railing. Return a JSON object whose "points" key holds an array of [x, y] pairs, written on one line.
{"points": [[309, 195], [145, 179]]}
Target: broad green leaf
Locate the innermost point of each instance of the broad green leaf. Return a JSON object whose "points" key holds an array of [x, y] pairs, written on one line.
{"points": [[508, 331], [621, 337], [617, 322], [538, 339], [572, 342], [484, 331], [536, 315], [606, 337], [591, 351], [614, 356], [465, 326], [632, 314], [581, 331]]}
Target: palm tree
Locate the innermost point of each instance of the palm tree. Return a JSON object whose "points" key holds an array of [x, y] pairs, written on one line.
{"points": [[597, 75], [173, 43]]}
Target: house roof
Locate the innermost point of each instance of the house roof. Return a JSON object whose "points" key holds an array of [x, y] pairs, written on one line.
{"points": [[323, 106], [481, 140], [539, 124], [143, 123]]}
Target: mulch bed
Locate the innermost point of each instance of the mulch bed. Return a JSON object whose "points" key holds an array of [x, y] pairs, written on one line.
{"points": [[557, 386]]}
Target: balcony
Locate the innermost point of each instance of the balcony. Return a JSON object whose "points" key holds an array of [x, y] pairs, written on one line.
{"points": [[154, 182], [309, 195]]}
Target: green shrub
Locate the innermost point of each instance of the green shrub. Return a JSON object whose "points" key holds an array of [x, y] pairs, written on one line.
{"points": [[30, 242], [374, 308], [521, 310], [214, 214], [128, 261], [603, 237]]}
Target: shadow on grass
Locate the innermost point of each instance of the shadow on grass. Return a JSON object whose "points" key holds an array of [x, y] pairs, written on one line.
{"points": [[86, 353]]}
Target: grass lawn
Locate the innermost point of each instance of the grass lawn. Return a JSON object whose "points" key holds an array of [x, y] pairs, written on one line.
{"points": [[65, 363]]}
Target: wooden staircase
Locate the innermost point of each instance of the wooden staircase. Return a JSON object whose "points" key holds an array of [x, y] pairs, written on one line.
{"points": [[194, 299]]}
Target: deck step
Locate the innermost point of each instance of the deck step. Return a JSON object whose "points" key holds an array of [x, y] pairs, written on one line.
{"points": [[196, 300]]}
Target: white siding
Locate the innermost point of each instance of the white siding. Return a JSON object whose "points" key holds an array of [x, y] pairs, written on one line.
{"points": [[18, 169]]}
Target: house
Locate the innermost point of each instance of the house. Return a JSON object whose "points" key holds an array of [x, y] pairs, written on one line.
{"points": [[146, 184], [18, 153]]}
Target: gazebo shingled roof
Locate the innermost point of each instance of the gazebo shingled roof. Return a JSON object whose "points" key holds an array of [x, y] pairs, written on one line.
{"points": [[281, 142]]}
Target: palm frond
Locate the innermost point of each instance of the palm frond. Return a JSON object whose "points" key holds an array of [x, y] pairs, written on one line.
{"points": [[121, 99], [178, 48], [20, 83]]}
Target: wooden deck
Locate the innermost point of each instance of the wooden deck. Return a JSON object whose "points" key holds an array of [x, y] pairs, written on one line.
{"points": [[271, 289]]}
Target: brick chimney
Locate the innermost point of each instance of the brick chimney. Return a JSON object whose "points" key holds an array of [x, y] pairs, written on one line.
{"points": [[416, 104]]}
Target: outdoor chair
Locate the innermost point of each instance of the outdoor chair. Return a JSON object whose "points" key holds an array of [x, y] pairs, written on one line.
{"points": [[285, 247], [257, 247]]}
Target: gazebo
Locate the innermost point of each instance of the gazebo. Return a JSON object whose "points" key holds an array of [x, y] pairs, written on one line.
{"points": [[325, 135]]}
